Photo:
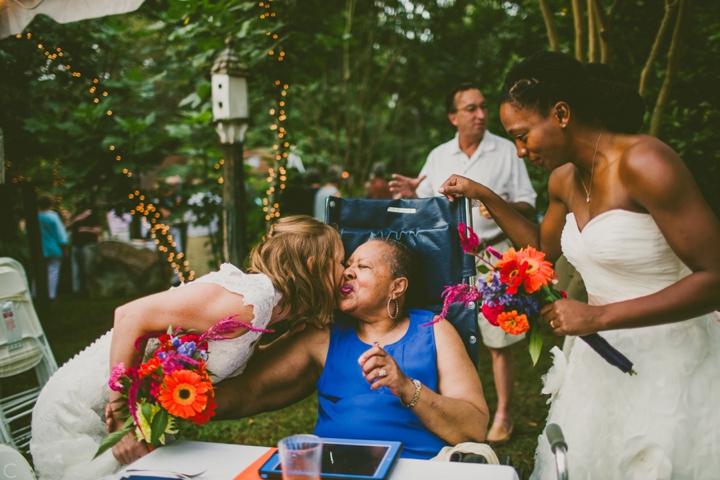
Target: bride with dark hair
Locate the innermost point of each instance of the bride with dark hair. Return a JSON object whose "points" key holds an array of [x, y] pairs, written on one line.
{"points": [[626, 212]]}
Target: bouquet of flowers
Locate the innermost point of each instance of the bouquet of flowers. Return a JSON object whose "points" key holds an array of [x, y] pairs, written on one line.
{"points": [[512, 293], [170, 388]]}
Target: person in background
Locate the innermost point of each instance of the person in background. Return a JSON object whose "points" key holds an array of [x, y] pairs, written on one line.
{"points": [[331, 188], [491, 160], [54, 241], [85, 232], [377, 187]]}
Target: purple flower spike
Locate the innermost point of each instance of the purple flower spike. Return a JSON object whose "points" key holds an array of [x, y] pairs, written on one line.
{"points": [[228, 325], [462, 293]]}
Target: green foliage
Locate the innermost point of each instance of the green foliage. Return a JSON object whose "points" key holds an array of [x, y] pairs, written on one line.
{"points": [[367, 83]]}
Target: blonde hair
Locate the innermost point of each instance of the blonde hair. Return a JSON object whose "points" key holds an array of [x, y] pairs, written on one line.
{"points": [[299, 255]]}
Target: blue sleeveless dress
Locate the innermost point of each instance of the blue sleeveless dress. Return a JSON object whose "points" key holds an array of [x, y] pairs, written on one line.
{"points": [[348, 408]]}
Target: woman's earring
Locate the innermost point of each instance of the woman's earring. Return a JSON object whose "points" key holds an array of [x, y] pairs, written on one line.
{"points": [[397, 308]]}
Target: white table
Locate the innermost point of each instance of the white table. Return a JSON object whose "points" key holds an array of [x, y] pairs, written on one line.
{"points": [[224, 462]]}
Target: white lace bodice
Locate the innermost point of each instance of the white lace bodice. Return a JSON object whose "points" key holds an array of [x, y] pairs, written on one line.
{"points": [[227, 358]]}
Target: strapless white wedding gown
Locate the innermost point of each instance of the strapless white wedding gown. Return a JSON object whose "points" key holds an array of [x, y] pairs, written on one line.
{"points": [[663, 423], [68, 420]]}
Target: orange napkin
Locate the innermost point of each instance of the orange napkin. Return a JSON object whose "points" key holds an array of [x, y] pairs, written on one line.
{"points": [[251, 472]]}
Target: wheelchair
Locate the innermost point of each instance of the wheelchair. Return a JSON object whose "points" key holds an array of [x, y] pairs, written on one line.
{"points": [[429, 226]]}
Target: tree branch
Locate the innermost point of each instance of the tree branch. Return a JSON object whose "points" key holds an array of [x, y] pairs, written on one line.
{"points": [[671, 73], [670, 8], [550, 26]]}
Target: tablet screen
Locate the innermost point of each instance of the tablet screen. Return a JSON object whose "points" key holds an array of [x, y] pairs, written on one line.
{"points": [[351, 459]]}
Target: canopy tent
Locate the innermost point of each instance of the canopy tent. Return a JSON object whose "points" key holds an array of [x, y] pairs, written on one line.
{"points": [[15, 15]]}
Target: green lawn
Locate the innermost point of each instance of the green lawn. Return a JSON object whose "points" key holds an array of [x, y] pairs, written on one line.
{"points": [[75, 323]]}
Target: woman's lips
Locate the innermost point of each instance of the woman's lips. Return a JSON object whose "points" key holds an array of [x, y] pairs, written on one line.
{"points": [[346, 289]]}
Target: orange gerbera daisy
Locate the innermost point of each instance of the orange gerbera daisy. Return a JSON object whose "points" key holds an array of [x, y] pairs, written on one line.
{"points": [[513, 323], [184, 393], [538, 272]]}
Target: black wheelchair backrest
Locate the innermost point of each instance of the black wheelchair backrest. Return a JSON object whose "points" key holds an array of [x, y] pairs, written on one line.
{"points": [[429, 226]]}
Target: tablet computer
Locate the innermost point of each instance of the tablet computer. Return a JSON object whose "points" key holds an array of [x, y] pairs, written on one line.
{"points": [[347, 459]]}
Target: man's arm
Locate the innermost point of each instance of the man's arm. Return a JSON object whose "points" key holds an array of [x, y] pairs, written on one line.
{"points": [[280, 374]]}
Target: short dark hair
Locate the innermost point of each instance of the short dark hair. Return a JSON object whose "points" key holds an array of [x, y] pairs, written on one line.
{"points": [[45, 201], [545, 78], [402, 262], [450, 106]]}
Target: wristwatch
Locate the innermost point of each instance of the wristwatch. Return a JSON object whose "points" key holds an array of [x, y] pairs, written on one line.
{"points": [[413, 402]]}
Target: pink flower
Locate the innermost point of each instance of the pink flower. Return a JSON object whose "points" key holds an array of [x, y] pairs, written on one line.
{"points": [[563, 293], [491, 313], [461, 293], [469, 239], [494, 252], [115, 374]]}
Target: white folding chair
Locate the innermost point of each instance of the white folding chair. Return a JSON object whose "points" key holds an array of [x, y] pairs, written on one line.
{"points": [[23, 346]]}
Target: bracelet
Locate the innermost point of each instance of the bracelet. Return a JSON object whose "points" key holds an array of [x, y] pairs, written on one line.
{"points": [[413, 402]]}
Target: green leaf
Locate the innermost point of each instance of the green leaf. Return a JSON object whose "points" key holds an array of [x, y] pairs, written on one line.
{"points": [[112, 440], [146, 411], [157, 429], [535, 344], [484, 269]]}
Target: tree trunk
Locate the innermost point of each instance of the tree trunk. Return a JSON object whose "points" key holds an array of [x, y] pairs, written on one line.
{"points": [[602, 22], [550, 26], [673, 59], [594, 50], [662, 32], [580, 31]]}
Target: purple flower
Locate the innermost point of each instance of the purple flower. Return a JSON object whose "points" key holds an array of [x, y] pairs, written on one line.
{"points": [[187, 349], [175, 341]]}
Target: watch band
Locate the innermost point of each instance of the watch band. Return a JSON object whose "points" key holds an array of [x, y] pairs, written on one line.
{"points": [[413, 402]]}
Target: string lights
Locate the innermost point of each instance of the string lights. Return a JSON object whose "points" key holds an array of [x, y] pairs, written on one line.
{"points": [[159, 232], [277, 174]]}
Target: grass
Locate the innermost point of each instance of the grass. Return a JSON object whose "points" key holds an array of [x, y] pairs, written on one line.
{"points": [[74, 323]]}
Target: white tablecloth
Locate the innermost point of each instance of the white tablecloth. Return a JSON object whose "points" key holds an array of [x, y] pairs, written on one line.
{"points": [[222, 461]]}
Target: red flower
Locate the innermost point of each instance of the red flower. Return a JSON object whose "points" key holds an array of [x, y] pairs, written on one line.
{"points": [[491, 313], [468, 238], [513, 323], [149, 367], [203, 417], [513, 274]]}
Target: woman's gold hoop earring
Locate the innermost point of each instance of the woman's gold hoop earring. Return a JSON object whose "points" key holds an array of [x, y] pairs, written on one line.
{"points": [[397, 308]]}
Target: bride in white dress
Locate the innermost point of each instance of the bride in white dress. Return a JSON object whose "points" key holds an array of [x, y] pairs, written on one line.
{"points": [[628, 215], [293, 274]]}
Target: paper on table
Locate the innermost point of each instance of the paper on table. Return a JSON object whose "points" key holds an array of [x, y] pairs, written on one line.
{"points": [[251, 472]]}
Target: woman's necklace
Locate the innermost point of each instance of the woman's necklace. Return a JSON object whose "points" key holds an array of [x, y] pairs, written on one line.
{"points": [[592, 169], [386, 332]]}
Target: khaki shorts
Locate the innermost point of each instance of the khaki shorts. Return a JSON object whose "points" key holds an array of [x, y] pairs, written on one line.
{"points": [[496, 337]]}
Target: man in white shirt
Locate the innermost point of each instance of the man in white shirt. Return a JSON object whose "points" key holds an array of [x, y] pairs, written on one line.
{"points": [[491, 160]]}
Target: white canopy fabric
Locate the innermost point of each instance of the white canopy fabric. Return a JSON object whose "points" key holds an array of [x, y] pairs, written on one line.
{"points": [[15, 15]]}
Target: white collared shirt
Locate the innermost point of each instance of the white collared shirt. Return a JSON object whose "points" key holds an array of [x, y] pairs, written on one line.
{"points": [[494, 164]]}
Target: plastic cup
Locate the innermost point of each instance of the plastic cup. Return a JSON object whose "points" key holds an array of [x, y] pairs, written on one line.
{"points": [[301, 457]]}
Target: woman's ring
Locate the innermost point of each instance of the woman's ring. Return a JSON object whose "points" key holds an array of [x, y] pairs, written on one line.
{"points": [[552, 324], [382, 372]]}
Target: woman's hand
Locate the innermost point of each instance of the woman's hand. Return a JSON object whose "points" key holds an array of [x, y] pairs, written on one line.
{"points": [[381, 370], [570, 317], [458, 186], [126, 450]]}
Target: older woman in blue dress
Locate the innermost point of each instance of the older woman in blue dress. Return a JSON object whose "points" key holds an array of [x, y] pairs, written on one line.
{"points": [[379, 372]]}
